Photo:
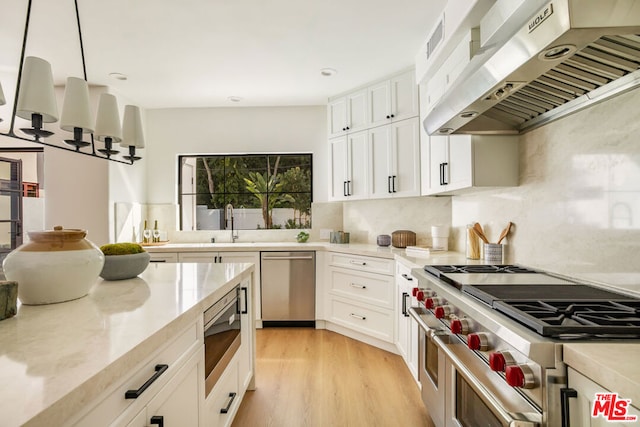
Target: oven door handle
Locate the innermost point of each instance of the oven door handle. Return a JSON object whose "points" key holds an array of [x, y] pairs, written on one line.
{"points": [[486, 396]]}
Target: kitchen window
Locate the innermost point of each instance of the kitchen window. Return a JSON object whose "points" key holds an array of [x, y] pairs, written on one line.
{"points": [[267, 191]]}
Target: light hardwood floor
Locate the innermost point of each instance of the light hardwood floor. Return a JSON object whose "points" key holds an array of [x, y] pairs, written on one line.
{"points": [[307, 377]]}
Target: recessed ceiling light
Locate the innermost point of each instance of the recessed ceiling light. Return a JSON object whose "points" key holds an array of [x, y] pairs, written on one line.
{"points": [[328, 72], [234, 98], [118, 76]]}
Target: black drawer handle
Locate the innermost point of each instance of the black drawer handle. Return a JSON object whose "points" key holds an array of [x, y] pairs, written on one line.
{"points": [[232, 397], [158, 420], [246, 300], [407, 277], [565, 395], [134, 394], [158, 260], [404, 304]]}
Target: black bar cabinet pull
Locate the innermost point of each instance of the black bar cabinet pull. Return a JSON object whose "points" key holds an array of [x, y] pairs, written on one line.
{"points": [[393, 183], [565, 395], [158, 260], [344, 188], [225, 410], [158, 420], [444, 174], [406, 276], [348, 188], [134, 394], [389, 184], [246, 301], [404, 304], [441, 173]]}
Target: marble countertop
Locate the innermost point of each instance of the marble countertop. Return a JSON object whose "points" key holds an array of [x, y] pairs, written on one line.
{"points": [[77, 349], [615, 370]]}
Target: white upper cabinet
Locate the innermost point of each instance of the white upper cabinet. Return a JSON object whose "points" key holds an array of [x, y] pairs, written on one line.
{"points": [[462, 163], [349, 167], [393, 100], [375, 140], [394, 151], [348, 114]]}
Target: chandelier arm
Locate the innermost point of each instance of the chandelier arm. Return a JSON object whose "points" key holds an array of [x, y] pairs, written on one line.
{"points": [[22, 53]]}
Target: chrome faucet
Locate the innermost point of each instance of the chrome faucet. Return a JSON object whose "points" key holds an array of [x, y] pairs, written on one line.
{"points": [[229, 217]]}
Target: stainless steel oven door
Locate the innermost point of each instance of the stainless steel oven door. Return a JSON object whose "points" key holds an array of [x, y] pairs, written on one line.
{"points": [[431, 366], [221, 336], [477, 396]]}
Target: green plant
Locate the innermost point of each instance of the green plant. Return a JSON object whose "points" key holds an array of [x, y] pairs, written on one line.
{"points": [[302, 236], [269, 194], [121, 249]]}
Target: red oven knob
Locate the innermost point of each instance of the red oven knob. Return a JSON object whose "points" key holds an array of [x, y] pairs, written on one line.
{"points": [[459, 326], [433, 302], [478, 341], [420, 295], [499, 360], [442, 311], [414, 292], [519, 376]]}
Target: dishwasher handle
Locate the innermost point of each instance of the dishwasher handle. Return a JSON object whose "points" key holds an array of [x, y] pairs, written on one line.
{"points": [[294, 257]]}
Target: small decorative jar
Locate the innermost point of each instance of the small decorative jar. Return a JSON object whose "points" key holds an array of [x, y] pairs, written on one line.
{"points": [[55, 266], [383, 240]]}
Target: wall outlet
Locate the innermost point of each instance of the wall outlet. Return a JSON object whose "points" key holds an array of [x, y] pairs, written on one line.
{"points": [[325, 233]]}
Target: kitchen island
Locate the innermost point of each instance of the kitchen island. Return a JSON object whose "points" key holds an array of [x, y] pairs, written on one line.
{"points": [[58, 361]]}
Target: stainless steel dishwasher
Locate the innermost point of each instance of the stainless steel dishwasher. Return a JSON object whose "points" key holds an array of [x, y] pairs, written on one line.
{"points": [[288, 288]]}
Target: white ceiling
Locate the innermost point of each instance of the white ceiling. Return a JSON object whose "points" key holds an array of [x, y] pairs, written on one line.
{"points": [[197, 53]]}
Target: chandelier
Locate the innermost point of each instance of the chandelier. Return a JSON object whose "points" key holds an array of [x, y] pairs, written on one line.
{"points": [[35, 101]]}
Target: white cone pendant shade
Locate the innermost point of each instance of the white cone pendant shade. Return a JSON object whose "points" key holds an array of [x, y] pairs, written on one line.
{"points": [[108, 119], [75, 108], [2, 99], [36, 91], [132, 132]]}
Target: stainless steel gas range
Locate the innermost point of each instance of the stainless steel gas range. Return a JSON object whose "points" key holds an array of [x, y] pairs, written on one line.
{"points": [[491, 341]]}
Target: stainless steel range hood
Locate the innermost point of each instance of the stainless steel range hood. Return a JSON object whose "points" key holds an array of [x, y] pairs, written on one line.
{"points": [[569, 55]]}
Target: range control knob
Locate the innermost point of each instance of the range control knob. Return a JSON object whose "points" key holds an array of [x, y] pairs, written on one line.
{"points": [[499, 360], [414, 292], [433, 302], [478, 341], [443, 311], [459, 326], [519, 376]]}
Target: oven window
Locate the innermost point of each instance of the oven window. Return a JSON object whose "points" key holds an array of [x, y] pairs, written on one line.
{"points": [[431, 360], [471, 411]]}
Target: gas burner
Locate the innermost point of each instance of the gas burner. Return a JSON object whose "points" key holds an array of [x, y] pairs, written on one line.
{"points": [[436, 270], [566, 318]]}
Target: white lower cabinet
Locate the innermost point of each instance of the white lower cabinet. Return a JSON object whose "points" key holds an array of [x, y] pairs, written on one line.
{"points": [[581, 405], [407, 327], [360, 295], [178, 403], [222, 403]]}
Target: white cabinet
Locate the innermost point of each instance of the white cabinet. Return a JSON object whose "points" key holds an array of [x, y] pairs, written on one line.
{"points": [[169, 375], [581, 406], [462, 163], [394, 99], [348, 114], [246, 362], [394, 152], [360, 296], [407, 327], [177, 404], [349, 167]]}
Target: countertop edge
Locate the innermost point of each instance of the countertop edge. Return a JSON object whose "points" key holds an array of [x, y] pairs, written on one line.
{"points": [[614, 371]]}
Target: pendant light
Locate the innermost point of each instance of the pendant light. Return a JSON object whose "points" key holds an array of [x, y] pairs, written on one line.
{"points": [[132, 132], [37, 100], [108, 129], [76, 117]]}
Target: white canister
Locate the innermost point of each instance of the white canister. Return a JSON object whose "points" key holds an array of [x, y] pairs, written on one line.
{"points": [[440, 237], [439, 231], [55, 266]]}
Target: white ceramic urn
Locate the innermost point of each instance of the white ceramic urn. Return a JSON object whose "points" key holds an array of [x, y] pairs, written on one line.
{"points": [[55, 266]]}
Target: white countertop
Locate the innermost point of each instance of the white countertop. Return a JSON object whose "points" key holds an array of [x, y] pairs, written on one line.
{"points": [[616, 368], [77, 349]]}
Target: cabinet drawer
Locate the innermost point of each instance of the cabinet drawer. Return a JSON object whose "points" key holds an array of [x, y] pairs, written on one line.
{"points": [[114, 402], [163, 256], [225, 396], [364, 287], [374, 322], [362, 263]]}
